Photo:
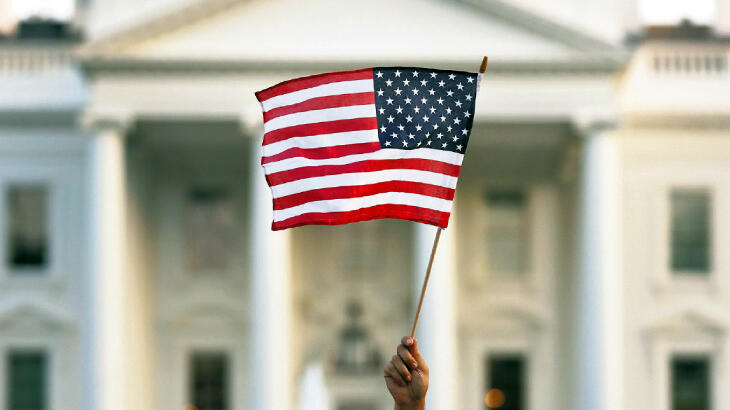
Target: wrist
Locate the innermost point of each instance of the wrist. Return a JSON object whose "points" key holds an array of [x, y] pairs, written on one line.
{"points": [[413, 406]]}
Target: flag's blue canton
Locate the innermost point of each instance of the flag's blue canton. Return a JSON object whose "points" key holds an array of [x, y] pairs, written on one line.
{"points": [[424, 108]]}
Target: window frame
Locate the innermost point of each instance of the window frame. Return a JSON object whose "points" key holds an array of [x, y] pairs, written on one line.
{"points": [[58, 203], [497, 354], [542, 212], [667, 342], [658, 213], [230, 199], [15, 344], [685, 356], [690, 273], [170, 211], [178, 364], [45, 376], [43, 269], [527, 339], [527, 210], [228, 376]]}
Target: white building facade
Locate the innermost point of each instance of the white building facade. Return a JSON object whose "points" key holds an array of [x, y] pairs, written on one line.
{"points": [[583, 267]]}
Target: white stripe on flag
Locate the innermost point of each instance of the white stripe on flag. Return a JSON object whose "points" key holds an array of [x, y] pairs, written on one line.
{"points": [[351, 204], [319, 141], [387, 153], [338, 88], [363, 178], [323, 115]]}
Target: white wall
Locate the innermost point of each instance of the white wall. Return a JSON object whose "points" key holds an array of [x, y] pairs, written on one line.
{"points": [[46, 310], [665, 313]]}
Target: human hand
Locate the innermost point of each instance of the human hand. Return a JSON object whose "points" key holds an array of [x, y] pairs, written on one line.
{"points": [[406, 376]]}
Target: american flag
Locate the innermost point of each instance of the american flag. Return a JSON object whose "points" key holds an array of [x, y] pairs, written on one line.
{"points": [[366, 144]]}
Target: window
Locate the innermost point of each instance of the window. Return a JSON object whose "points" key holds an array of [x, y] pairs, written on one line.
{"points": [[505, 382], [26, 380], [210, 225], [27, 236], [690, 231], [506, 231], [209, 380], [690, 383]]}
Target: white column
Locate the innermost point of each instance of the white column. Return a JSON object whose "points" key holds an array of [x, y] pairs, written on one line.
{"points": [[271, 365], [600, 325], [106, 381], [436, 333]]}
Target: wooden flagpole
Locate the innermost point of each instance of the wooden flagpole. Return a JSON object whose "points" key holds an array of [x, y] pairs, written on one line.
{"points": [[482, 70], [425, 280]]}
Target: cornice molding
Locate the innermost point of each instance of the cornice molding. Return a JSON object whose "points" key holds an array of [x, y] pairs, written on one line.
{"points": [[135, 27], [544, 27], [95, 65], [590, 122], [95, 119], [677, 120], [142, 23], [35, 118]]}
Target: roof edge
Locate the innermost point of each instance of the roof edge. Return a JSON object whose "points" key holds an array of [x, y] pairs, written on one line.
{"points": [[130, 29], [93, 65], [541, 25], [136, 25]]}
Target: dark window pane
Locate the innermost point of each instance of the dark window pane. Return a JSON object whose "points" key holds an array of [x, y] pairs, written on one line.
{"points": [[209, 381], [507, 243], [27, 229], [690, 231], [26, 381], [506, 382], [210, 228], [505, 198], [690, 383]]}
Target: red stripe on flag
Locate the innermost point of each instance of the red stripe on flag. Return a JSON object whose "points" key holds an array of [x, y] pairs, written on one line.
{"points": [[334, 151], [363, 166], [363, 190], [319, 103], [320, 128], [411, 213], [313, 81]]}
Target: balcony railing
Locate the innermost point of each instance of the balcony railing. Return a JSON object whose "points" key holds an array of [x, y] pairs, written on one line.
{"points": [[695, 61], [33, 59]]}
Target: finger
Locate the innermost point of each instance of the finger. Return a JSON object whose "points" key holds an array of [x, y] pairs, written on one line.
{"points": [[413, 348], [392, 373], [401, 367], [407, 341], [407, 357]]}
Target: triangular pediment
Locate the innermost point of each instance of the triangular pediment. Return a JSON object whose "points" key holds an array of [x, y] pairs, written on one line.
{"points": [[31, 313], [347, 30], [686, 318]]}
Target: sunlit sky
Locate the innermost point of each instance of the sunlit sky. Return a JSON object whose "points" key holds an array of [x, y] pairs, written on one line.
{"points": [[57, 9], [650, 11], [672, 11]]}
